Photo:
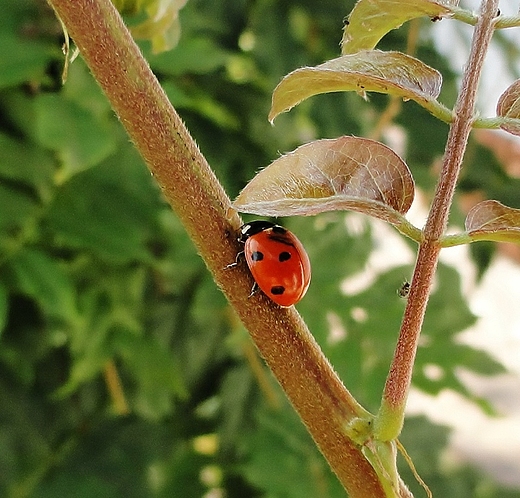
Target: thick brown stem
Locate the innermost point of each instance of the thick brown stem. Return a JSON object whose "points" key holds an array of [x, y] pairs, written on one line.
{"points": [[195, 194]]}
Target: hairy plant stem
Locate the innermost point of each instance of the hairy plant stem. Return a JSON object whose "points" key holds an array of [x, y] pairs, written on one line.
{"points": [[192, 189], [391, 415]]}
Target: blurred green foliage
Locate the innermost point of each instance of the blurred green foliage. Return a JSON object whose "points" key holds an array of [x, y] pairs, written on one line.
{"points": [[119, 357]]}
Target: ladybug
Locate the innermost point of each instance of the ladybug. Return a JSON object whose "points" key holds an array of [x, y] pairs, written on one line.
{"points": [[277, 260]]}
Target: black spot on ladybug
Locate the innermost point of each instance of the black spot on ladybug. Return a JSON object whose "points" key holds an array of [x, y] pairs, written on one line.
{"points": [[277, 290], [257, 256], [284, 256]]}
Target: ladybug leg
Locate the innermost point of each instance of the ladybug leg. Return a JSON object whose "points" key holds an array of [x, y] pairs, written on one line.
{"points": [[254, 290], [235, 263]]}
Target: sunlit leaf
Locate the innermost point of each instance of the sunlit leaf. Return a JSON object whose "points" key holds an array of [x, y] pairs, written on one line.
{"points": [[508, 106], [160, 24], [491, 220], [333, 174], [370, 20], [80, 139], [45, 280], [393, 73]]}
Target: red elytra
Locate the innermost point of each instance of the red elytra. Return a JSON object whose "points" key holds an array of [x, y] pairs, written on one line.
{"points": [[277, 260]]}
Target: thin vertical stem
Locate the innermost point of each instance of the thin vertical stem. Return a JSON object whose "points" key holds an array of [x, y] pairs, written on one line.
{"points": [[397, 385]]}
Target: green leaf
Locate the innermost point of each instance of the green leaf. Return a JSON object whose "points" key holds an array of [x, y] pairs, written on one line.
{"points": [[358, 332], [440, 353], [280, 451], [344, 173], [392, 73], [361, 330], [236, 391], [16, 208], [28, 44], [76, 484], [155, 372], [110, 210], [22, 161], [83, 370], [144, 457], [22, 60], [23, 443], [425, 442], [110, 306], [370, 20], [193, 55], [202, 104], [84, 91], [491, 220], [79, 137], [45, 280], [17, 212], [3, 307]]}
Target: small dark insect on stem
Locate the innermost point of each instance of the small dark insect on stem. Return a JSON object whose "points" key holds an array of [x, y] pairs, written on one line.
{"points": [[404, 290]]}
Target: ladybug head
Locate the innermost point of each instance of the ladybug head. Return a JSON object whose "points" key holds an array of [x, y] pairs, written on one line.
{"points": [[254, 227]]}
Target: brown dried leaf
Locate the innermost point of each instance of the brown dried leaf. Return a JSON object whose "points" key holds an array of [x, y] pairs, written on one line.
{"points": [[508, 106], [491, 220], [332, 174], [370, 20], [393, 73]]}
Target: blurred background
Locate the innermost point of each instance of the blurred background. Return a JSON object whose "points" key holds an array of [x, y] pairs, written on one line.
{"points": [[124, 372]]}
